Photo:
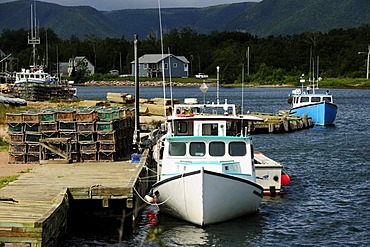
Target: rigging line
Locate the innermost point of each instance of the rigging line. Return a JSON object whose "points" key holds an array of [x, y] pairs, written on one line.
{"points": [[170, 72], [163, 72], [175, 190]]}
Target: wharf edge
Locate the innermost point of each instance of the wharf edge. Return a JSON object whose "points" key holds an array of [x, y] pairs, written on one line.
{"points": [[36, 210]]}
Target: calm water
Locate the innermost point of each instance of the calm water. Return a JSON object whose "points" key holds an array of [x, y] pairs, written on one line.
{"points": [[327, 202]]}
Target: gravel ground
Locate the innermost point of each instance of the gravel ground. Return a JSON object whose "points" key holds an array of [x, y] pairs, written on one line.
{"points": [[7, 170]]}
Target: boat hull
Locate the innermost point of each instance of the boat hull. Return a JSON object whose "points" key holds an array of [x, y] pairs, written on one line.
{"points": [[203, 197], [322, 113]]}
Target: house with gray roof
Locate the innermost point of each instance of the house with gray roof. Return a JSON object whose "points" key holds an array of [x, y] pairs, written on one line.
{"points": [[150, 65], [80, 62]]}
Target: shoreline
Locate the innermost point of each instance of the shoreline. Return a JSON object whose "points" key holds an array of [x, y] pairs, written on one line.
{"points": [[210, 84]]}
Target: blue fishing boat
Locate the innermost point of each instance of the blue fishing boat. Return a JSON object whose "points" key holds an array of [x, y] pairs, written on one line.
{"points": [[319, 106]]}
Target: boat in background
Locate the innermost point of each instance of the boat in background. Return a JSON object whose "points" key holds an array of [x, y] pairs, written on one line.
{"points": [[34, 75], [319, 106], [35, 83]]}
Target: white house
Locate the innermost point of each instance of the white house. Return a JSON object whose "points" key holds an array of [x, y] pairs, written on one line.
{"points": [[81, 61]]}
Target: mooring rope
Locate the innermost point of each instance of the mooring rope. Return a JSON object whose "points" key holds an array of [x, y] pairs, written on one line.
{"points": [[158, 204]]}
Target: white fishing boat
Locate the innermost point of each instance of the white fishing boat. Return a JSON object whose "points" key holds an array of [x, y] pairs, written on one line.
{"points": [[35, 83], [205, 160], [34, 75]]}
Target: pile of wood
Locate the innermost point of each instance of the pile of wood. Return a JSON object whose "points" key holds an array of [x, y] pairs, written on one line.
{"points": [[121, 98]]}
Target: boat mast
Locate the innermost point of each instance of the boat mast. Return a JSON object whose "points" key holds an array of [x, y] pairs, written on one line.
{"points": [[35, 38], [163, 71]]}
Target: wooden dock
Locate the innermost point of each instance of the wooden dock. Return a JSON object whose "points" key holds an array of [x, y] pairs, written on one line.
{"points": [[34, 208], [279, 123]]}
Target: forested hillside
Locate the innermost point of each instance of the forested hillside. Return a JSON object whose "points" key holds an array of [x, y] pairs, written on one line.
{"points": [[282, 17], [272, 59]]}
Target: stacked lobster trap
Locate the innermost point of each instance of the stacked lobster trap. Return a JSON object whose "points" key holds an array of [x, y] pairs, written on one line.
{"points": [[94, 133]]}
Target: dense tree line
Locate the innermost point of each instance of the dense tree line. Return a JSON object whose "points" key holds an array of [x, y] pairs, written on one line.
{"points": [[270, 59]]}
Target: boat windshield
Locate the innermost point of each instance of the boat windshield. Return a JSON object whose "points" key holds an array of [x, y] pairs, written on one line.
{"points": [[327, 99], [177, 149], [197, 148], [215, 149], [237, 149], [315, 99]]}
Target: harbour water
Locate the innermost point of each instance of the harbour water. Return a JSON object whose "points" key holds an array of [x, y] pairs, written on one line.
{"points": [[326, 204]]}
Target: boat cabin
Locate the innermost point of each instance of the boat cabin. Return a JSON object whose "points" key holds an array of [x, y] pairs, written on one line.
{"points": [[297, 99], [206, 120], [33, 76], [206, 126], [225, 154]]}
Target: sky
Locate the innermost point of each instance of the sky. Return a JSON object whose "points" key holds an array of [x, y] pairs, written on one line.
{"points": [[139, 4]]}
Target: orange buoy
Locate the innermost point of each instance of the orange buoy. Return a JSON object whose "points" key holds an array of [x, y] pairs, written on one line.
{"points": [[285, 179]]}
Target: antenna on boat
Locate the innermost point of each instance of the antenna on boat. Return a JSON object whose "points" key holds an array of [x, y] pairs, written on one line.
{"points": [[218, 85], [35, 38]]}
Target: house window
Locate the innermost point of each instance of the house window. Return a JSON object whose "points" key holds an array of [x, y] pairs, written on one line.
{"points": [[174, 65], [145, 65], [166, 66]]}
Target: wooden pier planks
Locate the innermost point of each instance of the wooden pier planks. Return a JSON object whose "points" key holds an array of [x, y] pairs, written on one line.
{"points": [[279, 123], [41, 207]]}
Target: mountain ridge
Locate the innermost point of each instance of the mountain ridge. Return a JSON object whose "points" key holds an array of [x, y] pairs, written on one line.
{"points": [[265, 18]]}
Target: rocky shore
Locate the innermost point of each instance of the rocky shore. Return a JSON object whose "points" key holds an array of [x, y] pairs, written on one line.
{"points": [[144, 83]]}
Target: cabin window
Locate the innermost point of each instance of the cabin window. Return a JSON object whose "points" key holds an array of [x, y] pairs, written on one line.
{"points": [[327, 99], [174, 65], [231, 128], [237, 149], [166, 66], [315, 99], [197, 149], [177, 149], [305, 99], [182, 127], [210, 129], [217, 149]]}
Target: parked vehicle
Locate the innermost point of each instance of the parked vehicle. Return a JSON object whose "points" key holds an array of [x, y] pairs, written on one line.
{"points": [[201, 76]]}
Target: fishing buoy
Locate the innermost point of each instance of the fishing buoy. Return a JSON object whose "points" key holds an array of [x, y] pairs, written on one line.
{"points": [[285, 179], [149, 199]]}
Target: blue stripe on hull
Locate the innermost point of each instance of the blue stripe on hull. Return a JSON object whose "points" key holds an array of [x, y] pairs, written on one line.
{"points": [[322, 113]]}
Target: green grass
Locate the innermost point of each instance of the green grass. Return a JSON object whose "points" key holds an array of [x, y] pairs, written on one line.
{"points": [[6, 180]]}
